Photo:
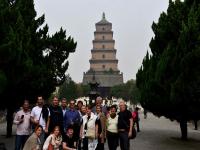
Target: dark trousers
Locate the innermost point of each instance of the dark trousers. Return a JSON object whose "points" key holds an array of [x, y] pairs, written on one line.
{"points": [[124, 140], [112, 139], [100, 146], [85, 143], [79, 144], [138, 126], [20, 141]]}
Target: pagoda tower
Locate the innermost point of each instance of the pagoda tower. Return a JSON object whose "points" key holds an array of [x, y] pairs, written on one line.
{"points": [[103, 63]]}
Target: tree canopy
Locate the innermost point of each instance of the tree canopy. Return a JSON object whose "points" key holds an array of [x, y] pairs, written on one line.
{"points": [[32, 62], [127, 91], [169, 78], [72, 90]]}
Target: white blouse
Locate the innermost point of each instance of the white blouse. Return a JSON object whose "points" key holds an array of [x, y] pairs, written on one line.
{"points": [[55, 141], [112, 124]]}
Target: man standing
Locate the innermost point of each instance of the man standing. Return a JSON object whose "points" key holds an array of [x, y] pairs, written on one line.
{"points": [[56, 115], [125, 124], [40, 115], [101, 128], [22, 120], [79, 105], [83, 111], [64, 106], [99, 102], [72, 117]]}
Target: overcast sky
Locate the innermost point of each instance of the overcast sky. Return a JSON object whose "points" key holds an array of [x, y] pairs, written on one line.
{"points": [[131, 20]]}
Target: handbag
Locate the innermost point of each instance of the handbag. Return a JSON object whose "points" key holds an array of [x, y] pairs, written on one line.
{"points": [[134, 133], [90, 134], [50, 147]]}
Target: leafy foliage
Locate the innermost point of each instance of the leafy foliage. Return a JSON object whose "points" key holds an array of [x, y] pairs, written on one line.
{"points": [[169, 79], [127, 91], [71, 90], [32, 62]]}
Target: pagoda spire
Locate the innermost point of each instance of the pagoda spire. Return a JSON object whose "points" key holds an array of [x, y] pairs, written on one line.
{"points": [[103, 70], [103, 16]]}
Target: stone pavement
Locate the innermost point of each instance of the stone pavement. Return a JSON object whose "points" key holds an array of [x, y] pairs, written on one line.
{"points": [[156, 134], [9, 142], [162, 134]]}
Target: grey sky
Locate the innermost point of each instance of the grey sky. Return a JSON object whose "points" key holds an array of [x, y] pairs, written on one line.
{"points": [[131, 19]]}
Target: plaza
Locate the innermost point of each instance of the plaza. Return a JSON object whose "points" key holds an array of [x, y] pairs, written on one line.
{"points": [[156, 134]]}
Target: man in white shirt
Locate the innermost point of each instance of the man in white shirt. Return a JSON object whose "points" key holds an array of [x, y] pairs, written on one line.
{"points": [[22, 120], [40, 115]]}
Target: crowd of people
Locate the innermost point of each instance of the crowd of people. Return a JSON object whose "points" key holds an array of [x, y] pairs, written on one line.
{"points": [[73, 126]]}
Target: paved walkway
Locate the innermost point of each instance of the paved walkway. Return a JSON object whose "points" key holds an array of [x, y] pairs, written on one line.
{"points": [[162, 134], [156, 134]]}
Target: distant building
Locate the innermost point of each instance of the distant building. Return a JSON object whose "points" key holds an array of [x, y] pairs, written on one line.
{"points": [[103, 64]]}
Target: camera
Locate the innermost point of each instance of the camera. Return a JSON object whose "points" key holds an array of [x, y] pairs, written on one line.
{"points": [[22, 116]]}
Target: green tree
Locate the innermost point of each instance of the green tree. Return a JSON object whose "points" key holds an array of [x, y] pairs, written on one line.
{"points": [[133, 92], [118, 91], [127, 91], [169, 79], [82, 90], [32, 62], [72, 90], [68, 89]]}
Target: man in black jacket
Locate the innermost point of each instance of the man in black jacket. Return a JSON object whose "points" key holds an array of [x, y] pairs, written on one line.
{"points": [[56, 115]]}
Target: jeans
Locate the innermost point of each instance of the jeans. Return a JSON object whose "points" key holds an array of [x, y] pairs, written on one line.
{"points": [[20, 141], [124, 140]]}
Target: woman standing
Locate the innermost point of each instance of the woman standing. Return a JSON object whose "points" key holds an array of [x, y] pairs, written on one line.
{"points": [[54, 140], [112, 129], [33, 142], [88, 130]]}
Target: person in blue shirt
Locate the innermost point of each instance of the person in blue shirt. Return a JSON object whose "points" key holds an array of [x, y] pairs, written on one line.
{"points": [[72, 117]]}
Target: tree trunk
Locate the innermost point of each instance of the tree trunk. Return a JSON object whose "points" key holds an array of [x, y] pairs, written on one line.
{"points": [[9, 118], [183, 126]]}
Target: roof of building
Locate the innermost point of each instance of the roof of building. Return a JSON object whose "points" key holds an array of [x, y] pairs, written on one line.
{"points": [[103, 20]]}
